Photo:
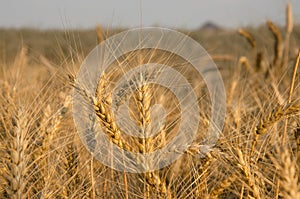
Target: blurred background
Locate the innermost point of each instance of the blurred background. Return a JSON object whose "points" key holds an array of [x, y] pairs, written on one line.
{"points": [[65, 14]]}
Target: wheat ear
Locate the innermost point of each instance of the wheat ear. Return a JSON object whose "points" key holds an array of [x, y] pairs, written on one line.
{"points": [[17, 151], [288, 175], [248, 36], [246, 169], [274, 116], [278, 43], [288, 29], [71, 162], [222, 186], [104, 116], [143, 101], [100, 106], [100, 35]]}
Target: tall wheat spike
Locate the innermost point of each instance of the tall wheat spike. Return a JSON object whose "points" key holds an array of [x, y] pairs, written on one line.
{"points": [[278, 43], [289, 30], [259, 56], [101, 105], [100, 35], [18, 152], [248, 36]]}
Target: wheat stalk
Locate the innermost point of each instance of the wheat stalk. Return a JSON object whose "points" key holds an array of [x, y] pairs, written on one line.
{"points": [[289, 29], [292, 85], [17, 150], [248, 36], [259, 61], [100, 35], [259, 56], [278, 43], [245, 62]]}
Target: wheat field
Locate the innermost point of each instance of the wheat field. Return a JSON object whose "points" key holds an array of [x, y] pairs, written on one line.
{"points": [[256, 156]]}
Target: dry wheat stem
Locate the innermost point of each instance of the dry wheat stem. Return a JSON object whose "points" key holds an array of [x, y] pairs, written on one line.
{"points": [[292, 85]]}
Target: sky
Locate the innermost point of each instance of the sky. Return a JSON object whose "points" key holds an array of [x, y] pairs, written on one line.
{"points": [[67, 14]]}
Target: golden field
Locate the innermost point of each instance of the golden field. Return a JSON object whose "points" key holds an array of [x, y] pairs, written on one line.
{"points": [[257, 155]]}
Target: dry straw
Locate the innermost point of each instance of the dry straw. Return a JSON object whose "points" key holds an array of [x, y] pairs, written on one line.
{"points": [[292, 85]]}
